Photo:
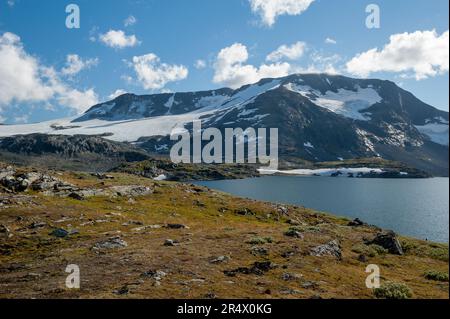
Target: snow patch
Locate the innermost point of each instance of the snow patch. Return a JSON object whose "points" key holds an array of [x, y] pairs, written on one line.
{"points": [[438, 133], [325, 171], [344, 102]]}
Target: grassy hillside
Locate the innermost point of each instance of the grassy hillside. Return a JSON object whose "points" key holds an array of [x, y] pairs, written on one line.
{"points": [[184, 241]]}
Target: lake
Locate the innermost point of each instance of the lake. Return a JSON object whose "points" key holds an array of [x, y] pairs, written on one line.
{"points": [[414, 207]]}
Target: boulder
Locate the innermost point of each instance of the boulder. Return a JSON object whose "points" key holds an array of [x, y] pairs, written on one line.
{"points": [[388, 240], [60, 233], [356, 222], [111, 243], [330, 249]]}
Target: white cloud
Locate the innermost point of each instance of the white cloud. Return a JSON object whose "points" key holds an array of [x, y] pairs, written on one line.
{"points": [[75, 64], [292, 52], [131, 20], [11, 3], [269, 10], [154, 75], [200, 64], [79, 100], [24, 79], [422, 53], [116, 93], [231, 70], [21, 119], [320, 63], [118, 39], [330, 41]]}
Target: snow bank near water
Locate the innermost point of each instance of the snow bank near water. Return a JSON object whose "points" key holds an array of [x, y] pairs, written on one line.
{"points": [[324, 171]]}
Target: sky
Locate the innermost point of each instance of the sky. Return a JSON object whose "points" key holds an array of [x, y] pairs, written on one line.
{"points": [[50, 67]]}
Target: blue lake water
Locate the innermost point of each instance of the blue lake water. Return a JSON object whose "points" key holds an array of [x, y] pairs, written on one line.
{"points": [[414, 207]]}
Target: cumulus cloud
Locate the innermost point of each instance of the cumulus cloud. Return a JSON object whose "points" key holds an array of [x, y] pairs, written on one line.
{"points": [[131, 20], [231, 70], [422, 53], [118, 39], [330, 41], [292, 52], [200, 64], [75, 64], [154, 75], [269, 10], [24, 79]]}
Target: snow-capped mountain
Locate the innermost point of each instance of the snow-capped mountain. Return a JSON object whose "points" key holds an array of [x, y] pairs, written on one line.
{"points": [[319, 117]]}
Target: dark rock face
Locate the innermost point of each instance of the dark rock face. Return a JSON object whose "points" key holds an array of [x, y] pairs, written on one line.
{"points": [[389, 241], [70, 146]]}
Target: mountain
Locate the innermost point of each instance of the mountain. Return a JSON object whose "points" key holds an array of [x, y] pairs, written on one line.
{"points": [[320, 117]]}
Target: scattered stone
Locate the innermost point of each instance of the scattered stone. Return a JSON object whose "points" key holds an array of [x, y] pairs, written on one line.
{"points": [[363, 258], [176, 226], [258, 268], [133, 191], [102, 176], [288, 253], [5, 232], [290, 277], [35, 225], [77, 196], [60, 233], [199, 203], [389, 241], [356, 223], [259, 251], [111, 243], [155, 274], [124, 290], [283, 210], [310, 285], [244, 212], [294, 233], [170, 242], [220, 259], [289, 291], [293, 222], [144, 228], [74, 232], [133, 222], [330, 249]]}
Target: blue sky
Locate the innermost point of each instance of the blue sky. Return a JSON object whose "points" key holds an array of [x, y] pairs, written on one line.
{"points": [[159, 49]]}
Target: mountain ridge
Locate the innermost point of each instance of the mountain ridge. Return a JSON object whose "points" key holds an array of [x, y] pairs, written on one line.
{"points": [[320, 117]]}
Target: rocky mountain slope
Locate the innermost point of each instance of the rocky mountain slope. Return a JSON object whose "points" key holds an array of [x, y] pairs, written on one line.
{"points": [[320, 118]]}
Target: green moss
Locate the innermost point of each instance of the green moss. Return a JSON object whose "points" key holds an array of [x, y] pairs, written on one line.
{"points": [[421, 248], [436, 275], [260, 241], [392, 290], [369, 250]]}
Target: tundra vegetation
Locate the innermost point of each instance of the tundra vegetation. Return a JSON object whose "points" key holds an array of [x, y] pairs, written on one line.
{"points": [[134, 237]]}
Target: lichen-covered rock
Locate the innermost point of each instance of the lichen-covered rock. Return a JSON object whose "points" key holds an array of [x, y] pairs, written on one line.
{"points": [[111, 243], [330, 249]]}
